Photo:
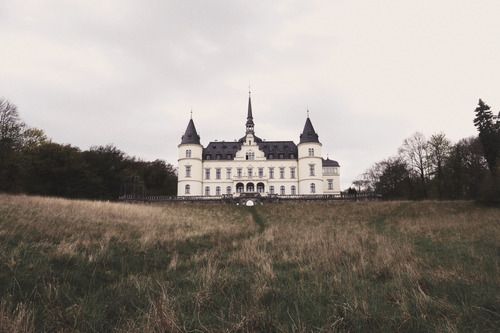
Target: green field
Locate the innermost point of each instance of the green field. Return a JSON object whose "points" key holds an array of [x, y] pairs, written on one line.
{"points": [[86, 266]]}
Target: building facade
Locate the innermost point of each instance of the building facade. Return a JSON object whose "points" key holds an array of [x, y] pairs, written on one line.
{"points": [[255, 165]]}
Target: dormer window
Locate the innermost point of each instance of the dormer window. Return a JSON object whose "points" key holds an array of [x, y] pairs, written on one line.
{"points": [[208, 157]]}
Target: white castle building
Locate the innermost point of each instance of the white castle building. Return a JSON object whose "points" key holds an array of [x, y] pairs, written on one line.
{"points": [[255, 165]]}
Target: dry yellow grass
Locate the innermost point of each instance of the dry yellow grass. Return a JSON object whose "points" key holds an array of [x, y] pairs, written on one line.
{"points": [[369, 266]]}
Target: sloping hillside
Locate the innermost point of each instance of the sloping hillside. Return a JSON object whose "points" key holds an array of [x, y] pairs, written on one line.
{"points": [[378, 266]]}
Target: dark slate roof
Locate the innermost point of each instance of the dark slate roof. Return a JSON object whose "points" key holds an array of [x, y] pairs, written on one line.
{"points": [[190, 136], [330, 163], [279, 149], [221, 149], [308, 134]]}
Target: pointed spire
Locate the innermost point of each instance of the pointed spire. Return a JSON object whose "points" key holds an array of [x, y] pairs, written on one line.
{"points": [[309, 134], [190, 136], [250, 124]]}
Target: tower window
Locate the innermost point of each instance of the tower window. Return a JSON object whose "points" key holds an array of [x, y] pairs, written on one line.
{"points": [[311, 151], [313, 188], [188, 171], [187, 189], [311, 170], [188, 153]]}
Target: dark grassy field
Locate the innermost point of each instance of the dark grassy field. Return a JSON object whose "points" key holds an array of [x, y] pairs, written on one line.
{"points": [[85, 266]]}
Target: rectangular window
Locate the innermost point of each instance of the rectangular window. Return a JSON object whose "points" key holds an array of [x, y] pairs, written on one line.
{"points": [[311, 151], [282, 173], [188, 153], [271, 189], [311, 170], [228, 173], [188, 171], [250, 172], [292, 172], [271, 173], [261, 172], [330, 184], [239, 171], [207, 173], [217, 173]]}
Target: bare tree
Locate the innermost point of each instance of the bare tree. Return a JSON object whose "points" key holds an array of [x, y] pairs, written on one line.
{"points": [[415, 151], [11, 126], [439, 152]]}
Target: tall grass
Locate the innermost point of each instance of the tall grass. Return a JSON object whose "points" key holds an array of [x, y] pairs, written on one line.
{"points": [[378, 266]]}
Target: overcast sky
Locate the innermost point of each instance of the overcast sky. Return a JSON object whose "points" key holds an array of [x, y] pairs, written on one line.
{"points": [[370, 72]]}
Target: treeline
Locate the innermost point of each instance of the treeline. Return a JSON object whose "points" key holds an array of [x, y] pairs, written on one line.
{"points": [[436, 168], [31, 163]]}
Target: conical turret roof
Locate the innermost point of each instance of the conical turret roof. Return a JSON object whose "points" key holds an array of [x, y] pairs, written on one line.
{"points": [[309, 134], [190, 136]]}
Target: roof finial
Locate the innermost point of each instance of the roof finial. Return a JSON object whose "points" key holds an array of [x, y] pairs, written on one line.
{"points": [[249, 89], [191, 112], [307, 112]]}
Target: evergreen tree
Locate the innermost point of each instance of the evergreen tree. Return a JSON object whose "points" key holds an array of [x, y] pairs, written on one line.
{"points": [[489, 134]]}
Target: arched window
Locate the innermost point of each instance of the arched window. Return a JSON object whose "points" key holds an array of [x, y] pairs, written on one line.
{"points": [[250, 187], [187, 189], [188, 153], [240, 187], [260, 187], [313, 188], [207, 190], [293, 190], [217, 190], [228, 190], [282, 190]]}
